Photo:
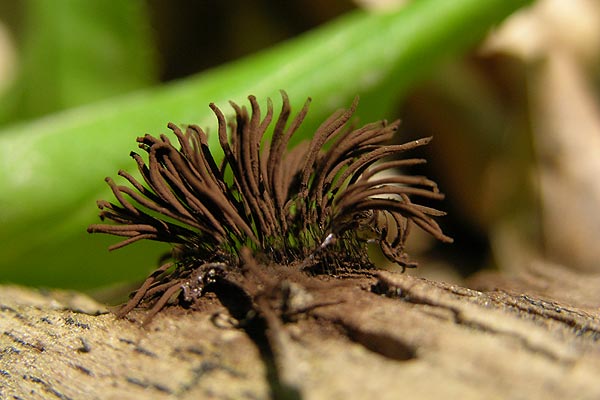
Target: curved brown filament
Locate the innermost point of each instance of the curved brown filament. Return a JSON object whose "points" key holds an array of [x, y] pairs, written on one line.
{"points": [[309, 202]]}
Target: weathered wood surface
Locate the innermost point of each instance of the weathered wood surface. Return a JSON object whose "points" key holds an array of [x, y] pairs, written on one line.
{"points": [[423, 340]]}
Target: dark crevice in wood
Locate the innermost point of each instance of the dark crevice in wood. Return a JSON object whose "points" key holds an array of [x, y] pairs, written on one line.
{"points": [[257, 324], [47, 387], [380, 342], [387, 287]]}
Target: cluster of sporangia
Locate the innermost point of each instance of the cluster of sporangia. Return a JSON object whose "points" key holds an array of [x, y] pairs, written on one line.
{"points": [[313, 207]]}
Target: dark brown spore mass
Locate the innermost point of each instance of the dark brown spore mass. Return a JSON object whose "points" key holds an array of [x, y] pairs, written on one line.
{"points": [[312, 208]]}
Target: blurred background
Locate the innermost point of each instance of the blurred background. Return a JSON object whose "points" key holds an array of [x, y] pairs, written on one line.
{"points": [[515, 117]]}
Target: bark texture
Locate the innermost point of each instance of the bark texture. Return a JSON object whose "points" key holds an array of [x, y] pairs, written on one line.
{"points": [[389, 336]]}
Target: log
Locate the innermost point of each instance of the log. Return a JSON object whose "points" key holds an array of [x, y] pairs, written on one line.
{"points": [[385, 336]]}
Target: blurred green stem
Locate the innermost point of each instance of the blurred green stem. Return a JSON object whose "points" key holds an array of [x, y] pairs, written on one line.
{"points": [[78, 51]]}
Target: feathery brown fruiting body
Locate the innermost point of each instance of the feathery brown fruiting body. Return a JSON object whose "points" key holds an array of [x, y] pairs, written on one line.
{"points": [[315, 205]]}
